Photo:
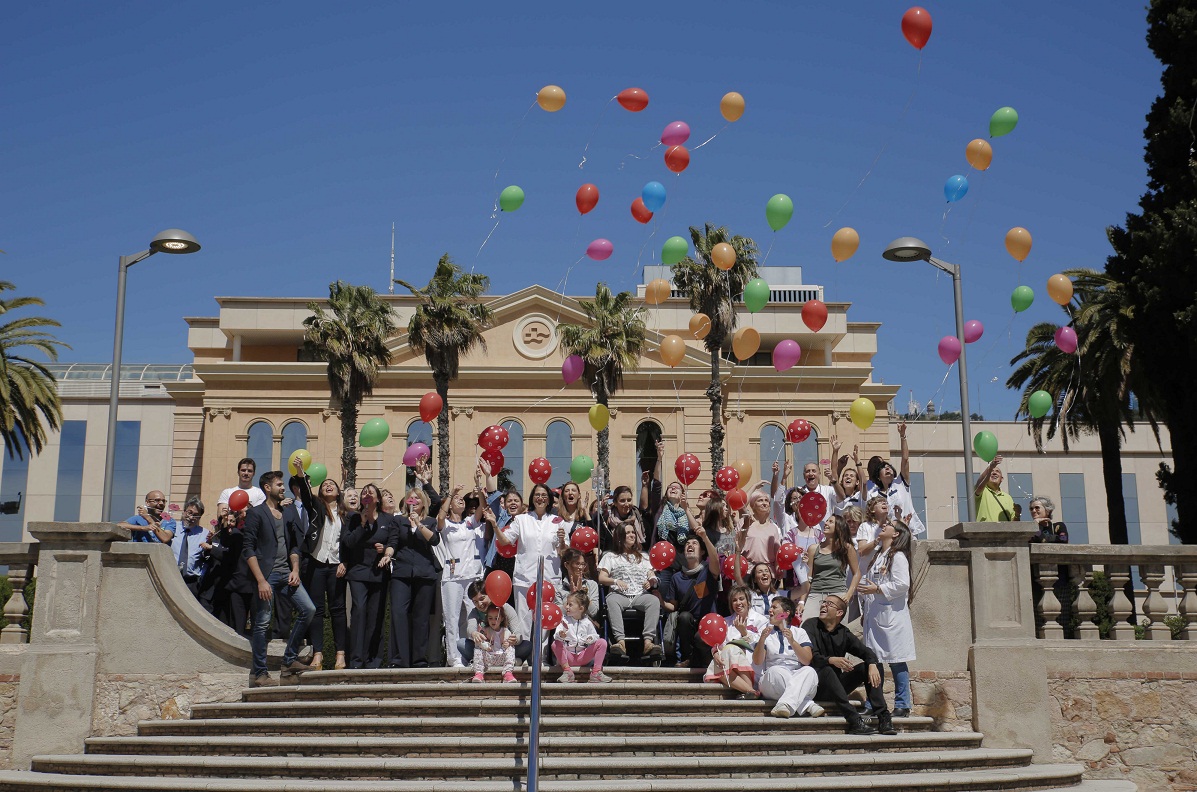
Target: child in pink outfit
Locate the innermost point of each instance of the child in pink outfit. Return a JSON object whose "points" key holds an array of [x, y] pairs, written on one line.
{"points": [[490, 647], [576, 643]]}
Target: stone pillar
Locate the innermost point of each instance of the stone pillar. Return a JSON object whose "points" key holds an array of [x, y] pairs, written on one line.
{"points": [[1008, 663], [58, 676]]}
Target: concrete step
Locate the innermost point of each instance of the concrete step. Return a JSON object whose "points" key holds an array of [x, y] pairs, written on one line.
{"points": [[1024, 779], [511, 745], [402, 675], [564, 768], [471, 690]]}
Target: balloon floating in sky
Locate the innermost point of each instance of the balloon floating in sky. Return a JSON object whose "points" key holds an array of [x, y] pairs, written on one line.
{"points": [[949, 349], [511, 198], [587, 198], [1059, 288], [723, 256], [731, 106], [551, 98], [677, 158], [674, 250], [756, 294], [657, 291], [1039, 403], [700, 325], [1066, 340], [572, 368], [955, 188], [1003, 121], [374, 433], [786, 354], [844, 244], [916, 26], [862, 412], [814, 314], [640, 211], [979, 154], [430, 406], [1022, 298], [1018, 243], [973, 330], [676, 133], [600, 249], [673, 349], [653, 195], [599, 417], [745, 343], [986, 445], [778, 211], [632, 99]]}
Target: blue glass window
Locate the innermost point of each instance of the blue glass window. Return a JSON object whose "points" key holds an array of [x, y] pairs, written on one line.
{"points": [[773, 449], [963, 491], [13, 486], [260, 448], [68, 490], [559, 445], [124, 472], [295, 437], [918, 494], [804, 453], [1072, 507], [1021, 489], [513, 454]]}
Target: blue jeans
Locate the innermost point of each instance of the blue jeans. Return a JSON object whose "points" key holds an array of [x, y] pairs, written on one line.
{"points": [[901, 673], [301, 603], [465, 646]]}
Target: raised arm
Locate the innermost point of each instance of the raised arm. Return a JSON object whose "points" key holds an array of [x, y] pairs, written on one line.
{"points": [[905, 453], [984, 477]]}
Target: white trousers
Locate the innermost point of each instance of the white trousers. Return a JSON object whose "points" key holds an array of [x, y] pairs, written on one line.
{"points": [[793, 689], [453, 597]]}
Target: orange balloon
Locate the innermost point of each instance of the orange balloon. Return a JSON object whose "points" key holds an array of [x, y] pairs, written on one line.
{"points": [[673, 349], [746, 342], [677, 158], [731, 106], [657, 291], [979, 154], [724, 256], [1059, 288], [744, 468], [1018, 243], [844, 244], [551, 98], [700, 325]]}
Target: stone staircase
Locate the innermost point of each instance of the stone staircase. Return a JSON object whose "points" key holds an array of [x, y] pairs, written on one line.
{"points": [[431, 730]]}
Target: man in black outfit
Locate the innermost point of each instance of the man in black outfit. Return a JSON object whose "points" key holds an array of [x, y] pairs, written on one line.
{"points": [[831, 642]]}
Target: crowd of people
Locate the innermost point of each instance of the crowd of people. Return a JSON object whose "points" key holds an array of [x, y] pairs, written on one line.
{"points": [[797, 595]]}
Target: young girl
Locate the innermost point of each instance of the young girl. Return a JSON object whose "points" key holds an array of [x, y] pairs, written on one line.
{"points": [[877, 514], [491, 647], [731, 664], [885, 600], [884, 480], [576, 643]]}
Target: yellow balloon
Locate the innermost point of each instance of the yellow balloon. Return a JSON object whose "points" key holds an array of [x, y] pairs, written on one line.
{"points": [[1059, 288], [1018, 243], [744, 468], [863, 412], [732, 106], [657, 291], [551, 98], [844, 244], [746, 342], [599, 416], [724, 256], [979, 154], [700, 325], [673, 349], [305, 459]]}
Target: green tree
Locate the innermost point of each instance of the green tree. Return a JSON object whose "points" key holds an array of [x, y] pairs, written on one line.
{"points": [[1154, 255], [352, 339], [28, 393], [609, 344], [711, 291], [447, 324]]}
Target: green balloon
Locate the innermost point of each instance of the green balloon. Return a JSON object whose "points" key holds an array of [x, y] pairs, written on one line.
{"points": [[511, 198], [674, 250], [756, 294], [985, 444], [1003, 121], [374, 433], [778, 211], [1039, 403], [1022, 298], [581, 468], [317, 473]]}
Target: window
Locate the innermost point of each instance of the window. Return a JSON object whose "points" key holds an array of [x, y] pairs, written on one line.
{"points": [[559, 450], [1072, 507], [773, 449], [124, 471], [417, 432], [72, 442], [962, 494], [918, 494], [647, 435], [13, 486], [1021, 489], [295, 437], [260, 448], [513, 455], [1134, 531], [804, 453]]}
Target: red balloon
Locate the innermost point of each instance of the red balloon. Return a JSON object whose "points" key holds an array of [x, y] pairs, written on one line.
{"points": [[584, 539], [814, 314], [798, 430], [662, 555], [430, 406], [640, 211], [492, 438], [677, 158], [812, 508], [539, 470], [550, 616], [547, 593], [727, 478], [498, 587], [737, 498], [916, 26], [729, 567], [787, 555], [507, 551], [238, 500], [687, 468], [632, 99], [587, 198], [494, 458], [712, 629], [503, 435]]}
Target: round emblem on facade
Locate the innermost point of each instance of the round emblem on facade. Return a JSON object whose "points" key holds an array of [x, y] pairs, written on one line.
{"points": [[535, 336]]}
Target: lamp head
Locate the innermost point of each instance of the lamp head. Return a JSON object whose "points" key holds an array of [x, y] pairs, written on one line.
{"points": [[174, 240], [907, 249]]}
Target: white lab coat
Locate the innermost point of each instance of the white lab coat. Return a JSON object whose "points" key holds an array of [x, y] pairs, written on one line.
{"points": [[885, 615]]}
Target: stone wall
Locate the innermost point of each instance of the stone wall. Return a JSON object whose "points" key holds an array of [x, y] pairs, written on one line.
{"points": [[124, 699], [8, 717], [945, 697]]}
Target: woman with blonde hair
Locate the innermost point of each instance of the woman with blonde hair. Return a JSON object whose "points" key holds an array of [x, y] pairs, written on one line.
{"points": [[414, 575]]}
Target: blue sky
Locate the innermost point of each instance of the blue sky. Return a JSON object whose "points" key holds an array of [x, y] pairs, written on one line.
{"points": [[288, 136]]}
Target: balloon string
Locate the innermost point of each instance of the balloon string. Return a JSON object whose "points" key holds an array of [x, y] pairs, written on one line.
{"points": [[708, 140], [638, 157], [495, 209], [659, 217], [770, 250], [488, 236], [593, 130], [563, 283]]}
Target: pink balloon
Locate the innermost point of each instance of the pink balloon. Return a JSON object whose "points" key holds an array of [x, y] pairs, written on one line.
{"points": [[973, 330], [786, 354], [414, 452], [1066, 340], [572, 368], [676, 133], [949, 349], [600, 249]]}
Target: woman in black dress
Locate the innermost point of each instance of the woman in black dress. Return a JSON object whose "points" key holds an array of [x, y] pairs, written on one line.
{"points": [[365, 536]]}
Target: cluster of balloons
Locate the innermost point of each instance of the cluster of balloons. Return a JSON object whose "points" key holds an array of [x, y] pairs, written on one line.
{"points": [[316, 472], [979, 155], [492, 441], [949, 346]]}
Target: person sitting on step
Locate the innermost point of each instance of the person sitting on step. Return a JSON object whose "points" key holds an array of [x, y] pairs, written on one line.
{"points": [[492, 647], [476, 623], [731, 664], [630, 579], [577, 643], [785, 654]]}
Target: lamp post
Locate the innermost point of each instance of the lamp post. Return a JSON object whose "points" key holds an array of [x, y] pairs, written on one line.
{"points": [[911, 249], [172, 240]]}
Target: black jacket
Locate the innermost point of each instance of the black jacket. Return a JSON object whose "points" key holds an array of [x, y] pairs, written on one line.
{"points": [[259, 540], [414, 556], [357, 546], [838, 643], [227, 569]]}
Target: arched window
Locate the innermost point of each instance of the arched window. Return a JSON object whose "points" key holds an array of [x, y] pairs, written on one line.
{"points": [[805, 453], [260, 448], [647, 435], [513, 455], [559, 450], [417, 432], [295, 437], [773, 449]]}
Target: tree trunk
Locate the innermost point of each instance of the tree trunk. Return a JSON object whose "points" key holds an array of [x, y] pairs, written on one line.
{"points": [[1182, 428], [1111, 472], [604, 443], [715, 395], [349, 440], [442, 433]]}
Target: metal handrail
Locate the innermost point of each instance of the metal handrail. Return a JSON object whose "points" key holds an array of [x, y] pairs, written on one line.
{"points": [[534, 714]]}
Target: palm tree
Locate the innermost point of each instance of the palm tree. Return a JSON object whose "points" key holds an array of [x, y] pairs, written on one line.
{"points": [[711, 291], [1091, 389], [447, 324], [28, 392], [353, 341], [609, 344]]}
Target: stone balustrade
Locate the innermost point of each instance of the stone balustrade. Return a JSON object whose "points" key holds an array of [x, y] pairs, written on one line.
{"points": [[19, 557]]}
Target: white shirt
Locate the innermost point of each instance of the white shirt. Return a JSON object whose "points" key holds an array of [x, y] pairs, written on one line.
{"points": [[783, 656], [463, 543], [828, 493], [256, 496], [885, 616], [866, 532], [901, 504], [575, 634], [629, 572], [329, 549], [756, 623], [537, 538]]}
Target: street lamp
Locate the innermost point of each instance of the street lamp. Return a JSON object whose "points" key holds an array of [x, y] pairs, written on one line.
{"points": [[911, 249], [172, 240]]}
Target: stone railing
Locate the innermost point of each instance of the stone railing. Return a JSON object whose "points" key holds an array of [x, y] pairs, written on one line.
{"points": [[1066, 605], [20, 559]]}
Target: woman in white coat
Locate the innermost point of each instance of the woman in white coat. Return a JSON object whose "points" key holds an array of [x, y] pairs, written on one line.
{"points": [[537, 534], [885, 613]]}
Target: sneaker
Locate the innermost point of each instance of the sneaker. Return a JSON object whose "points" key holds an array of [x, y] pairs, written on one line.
{"points": [[295, 667], [263, 680], [566, 676], [781, 711], [860, 728], [478, 678], [813, 710], [509, 677], [599, 676]]}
